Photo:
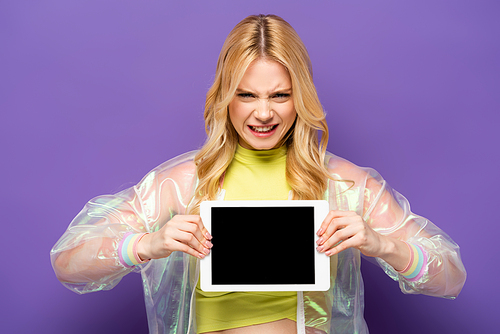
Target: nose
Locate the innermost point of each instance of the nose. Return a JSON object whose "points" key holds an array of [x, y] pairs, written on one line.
{"points": [[263, 111]]}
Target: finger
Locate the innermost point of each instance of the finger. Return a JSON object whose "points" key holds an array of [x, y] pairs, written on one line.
{"points": [[349, 243], [189, 250], [338, 237], [190, 240], [192, 224], [194, 230], [325, 223], [336, 224], [196, 219], [328, 219], [173, 242]]}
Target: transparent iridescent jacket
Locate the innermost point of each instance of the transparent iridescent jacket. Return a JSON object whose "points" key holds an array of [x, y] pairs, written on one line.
{"points": [[85, 258]]}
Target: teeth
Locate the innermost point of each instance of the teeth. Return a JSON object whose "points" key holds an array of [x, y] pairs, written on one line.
{"points": [[262, 128]]}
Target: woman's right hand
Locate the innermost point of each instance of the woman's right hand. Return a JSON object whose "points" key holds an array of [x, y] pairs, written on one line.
{"points": [[185, 233]]}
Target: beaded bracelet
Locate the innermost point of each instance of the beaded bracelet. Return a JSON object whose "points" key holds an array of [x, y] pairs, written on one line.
{"points": [[417, 264], [127, 250]]}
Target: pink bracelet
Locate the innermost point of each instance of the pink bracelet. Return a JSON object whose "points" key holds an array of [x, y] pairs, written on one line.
{"points": [[137, 257], [411, 259]]}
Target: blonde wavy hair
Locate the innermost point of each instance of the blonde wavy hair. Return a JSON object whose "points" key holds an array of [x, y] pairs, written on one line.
{"points": [[270, 37]]}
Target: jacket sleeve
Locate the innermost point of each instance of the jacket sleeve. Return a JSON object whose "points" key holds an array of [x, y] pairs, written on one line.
{"points": [[388, 213], [86, 259]]}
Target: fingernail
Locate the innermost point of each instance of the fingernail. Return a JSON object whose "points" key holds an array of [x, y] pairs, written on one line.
{"points": [[320, 241], [206, 251], [208, 244], [320, 232], [320, 249], [208, 236]]}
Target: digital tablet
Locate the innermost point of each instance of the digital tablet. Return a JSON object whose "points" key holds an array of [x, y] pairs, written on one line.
{"points": [[264, 246]]}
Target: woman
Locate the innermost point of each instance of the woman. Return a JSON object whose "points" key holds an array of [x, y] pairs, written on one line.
{"points": [[262, 118]]}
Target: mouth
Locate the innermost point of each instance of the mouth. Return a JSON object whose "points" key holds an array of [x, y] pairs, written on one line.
{"points": [[263, 129]]}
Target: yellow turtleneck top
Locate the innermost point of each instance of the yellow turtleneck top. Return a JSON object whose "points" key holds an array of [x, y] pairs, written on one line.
{"points": [[252, 175]]}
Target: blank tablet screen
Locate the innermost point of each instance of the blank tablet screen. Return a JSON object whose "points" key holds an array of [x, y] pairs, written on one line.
{"points": [[262, 245]]}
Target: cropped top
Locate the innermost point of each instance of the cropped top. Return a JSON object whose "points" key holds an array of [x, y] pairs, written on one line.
{"points": [[252, 175]]}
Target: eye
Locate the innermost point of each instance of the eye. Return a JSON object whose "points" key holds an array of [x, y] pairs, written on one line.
{"points": [[246, 96], [280, 97]]}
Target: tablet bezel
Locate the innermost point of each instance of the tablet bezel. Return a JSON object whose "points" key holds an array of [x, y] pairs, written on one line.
{"points": [[321, 261]]}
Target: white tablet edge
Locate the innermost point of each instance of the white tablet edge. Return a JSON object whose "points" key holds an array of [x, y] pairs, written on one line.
{"points": [[322, 262]]}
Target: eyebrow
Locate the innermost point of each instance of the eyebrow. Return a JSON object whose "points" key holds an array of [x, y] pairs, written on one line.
{"points": [[285, 90]]}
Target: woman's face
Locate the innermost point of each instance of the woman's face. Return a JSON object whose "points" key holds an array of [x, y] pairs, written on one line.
{"points": [[262, 110]]}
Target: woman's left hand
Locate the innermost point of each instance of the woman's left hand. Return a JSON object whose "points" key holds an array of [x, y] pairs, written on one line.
{"points": [[345, 229]]}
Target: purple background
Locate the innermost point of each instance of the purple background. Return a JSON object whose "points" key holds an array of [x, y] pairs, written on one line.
{"points": [[94, 94]]}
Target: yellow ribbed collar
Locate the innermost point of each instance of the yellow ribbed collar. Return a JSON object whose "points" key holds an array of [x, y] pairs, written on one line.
{"points": [[247, 156]]}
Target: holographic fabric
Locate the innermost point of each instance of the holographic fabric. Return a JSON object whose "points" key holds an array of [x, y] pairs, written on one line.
{"points": [[85, 258]]}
